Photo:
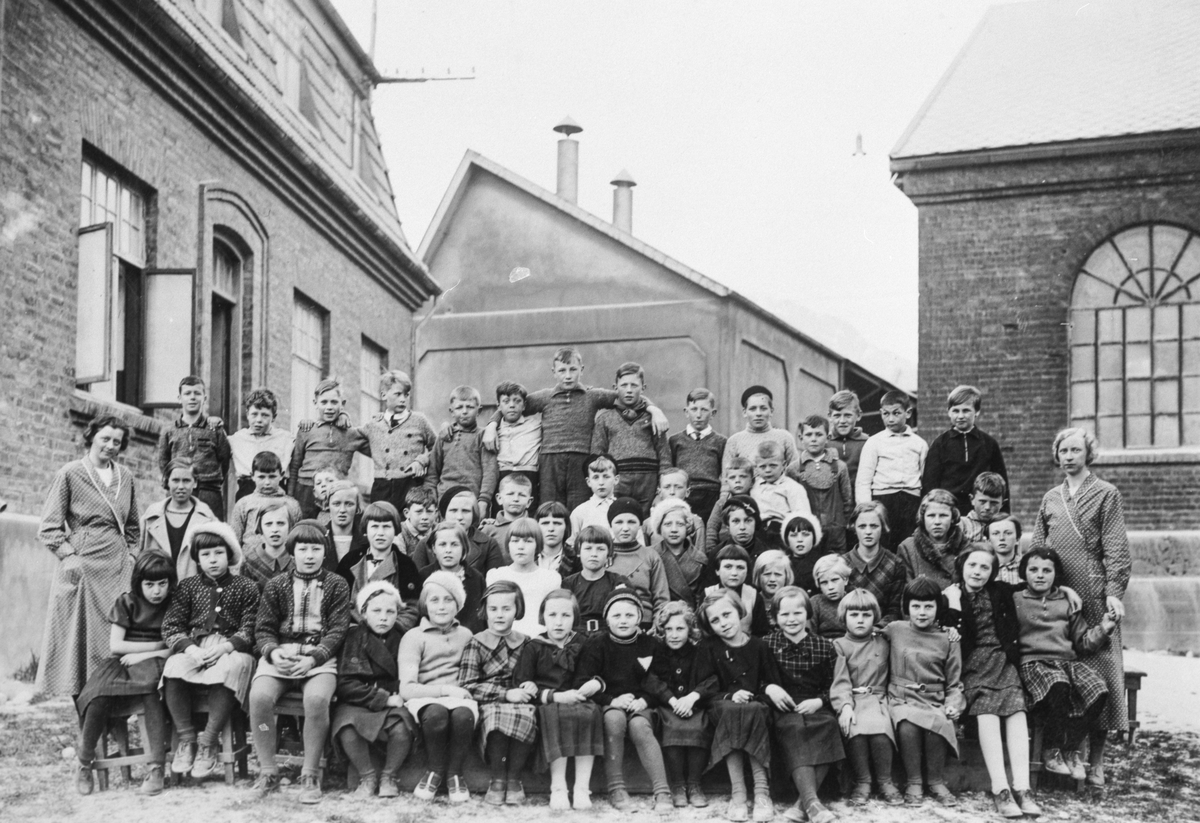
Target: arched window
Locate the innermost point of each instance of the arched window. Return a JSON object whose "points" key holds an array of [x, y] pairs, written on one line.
{"points": [[1135, 339]]}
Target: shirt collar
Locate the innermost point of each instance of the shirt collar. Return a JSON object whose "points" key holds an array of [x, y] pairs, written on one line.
{"points": [[221, 581], [857, 561], [201, 423], [426, 626], [705, 432], [490, 640], [907, 431], [560, 389]]}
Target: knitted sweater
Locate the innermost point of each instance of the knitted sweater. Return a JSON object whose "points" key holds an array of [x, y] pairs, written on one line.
{"points": [[568, 416], [629, 437], [954, 461], [621, 667], [320, 443], [394, 447], [745, 444], [701, 459], [1049, 631], [463, 461], [430, 656], [202, 606], [277, 605], [849, 449]]}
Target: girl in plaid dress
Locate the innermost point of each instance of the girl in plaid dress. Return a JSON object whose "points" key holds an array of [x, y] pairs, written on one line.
{"points": [[805, 728], [1066, 694], [509, 724], [570, 724]]}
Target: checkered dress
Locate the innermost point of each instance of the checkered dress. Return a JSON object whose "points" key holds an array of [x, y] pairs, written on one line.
{"points": [[886, 581], [486, 671], [93, 528]]}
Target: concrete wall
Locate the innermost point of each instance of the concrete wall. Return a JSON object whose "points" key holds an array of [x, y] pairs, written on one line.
{"points": [[61, 88], [615, 304]]}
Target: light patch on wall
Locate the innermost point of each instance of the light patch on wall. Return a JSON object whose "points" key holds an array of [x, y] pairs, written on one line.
{"points": [[518, 274], [17, 217]]}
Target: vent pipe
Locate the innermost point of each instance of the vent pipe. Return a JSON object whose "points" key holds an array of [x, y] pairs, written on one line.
{"points": [[568, 160], [623, 185]]}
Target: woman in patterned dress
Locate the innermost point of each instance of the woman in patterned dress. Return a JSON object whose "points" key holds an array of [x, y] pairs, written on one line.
{"points": [[90, 522], [1084, 521]]}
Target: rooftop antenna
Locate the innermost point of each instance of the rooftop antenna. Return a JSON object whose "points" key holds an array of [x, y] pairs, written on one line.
{"points": [[858, 149]]}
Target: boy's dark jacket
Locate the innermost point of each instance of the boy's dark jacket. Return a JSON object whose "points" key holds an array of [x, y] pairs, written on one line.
{"points": [[205, 444], [368, 673]]}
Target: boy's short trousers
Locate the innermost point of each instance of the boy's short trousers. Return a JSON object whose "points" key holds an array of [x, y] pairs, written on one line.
{"points": [[306, 496], [641, 486], [702, 499], [901, 508], [392, 490], [214, 498]]}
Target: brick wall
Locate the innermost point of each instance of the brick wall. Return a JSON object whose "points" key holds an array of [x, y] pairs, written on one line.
{"points": [[999, 249], [57, 81]]}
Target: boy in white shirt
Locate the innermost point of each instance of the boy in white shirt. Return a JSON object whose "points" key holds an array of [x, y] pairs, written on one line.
{"points": [[890, 467]]}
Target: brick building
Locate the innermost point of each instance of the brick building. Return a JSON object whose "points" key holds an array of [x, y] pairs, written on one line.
{"points": [[1056, 172], [187, 186], [526, 270]]}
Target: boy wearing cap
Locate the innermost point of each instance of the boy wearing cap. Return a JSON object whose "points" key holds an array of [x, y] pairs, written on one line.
{"points": [[640, 565], [758, 404]]}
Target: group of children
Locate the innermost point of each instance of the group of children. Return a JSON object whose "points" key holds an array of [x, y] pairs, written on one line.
{"points": [[565, 577]]}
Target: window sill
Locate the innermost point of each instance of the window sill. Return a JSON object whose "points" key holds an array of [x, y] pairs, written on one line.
{"points": [[1139, 457], [85, 407]]}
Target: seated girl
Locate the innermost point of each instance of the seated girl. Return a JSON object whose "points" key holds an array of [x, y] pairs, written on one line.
{"points": [[859, 697], [683, 680], [924, 691], [805, 545], [369, 706], [209, 628], [268, 556], [614, 667], [570, 724], [444, 711], [805, 728], [831, 573], [508, 724], [682, 557], [733, 567], [134, 670], [772, 572], [378, 558], [302, 620], [594, 583]]}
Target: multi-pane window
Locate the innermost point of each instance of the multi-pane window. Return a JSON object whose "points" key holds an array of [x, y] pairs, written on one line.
{"points": [[111, 259], [1135, 339], [372, 364], [310, 354]]}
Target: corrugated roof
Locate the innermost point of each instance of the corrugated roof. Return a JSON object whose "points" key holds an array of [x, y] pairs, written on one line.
{"points": [[1050, 72]]}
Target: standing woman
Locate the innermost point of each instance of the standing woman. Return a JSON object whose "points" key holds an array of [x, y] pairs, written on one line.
{"points": [[90, 522], [1084, 521]]}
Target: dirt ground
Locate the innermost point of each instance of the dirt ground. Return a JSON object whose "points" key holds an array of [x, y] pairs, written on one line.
{"points": [[1159, 782]]}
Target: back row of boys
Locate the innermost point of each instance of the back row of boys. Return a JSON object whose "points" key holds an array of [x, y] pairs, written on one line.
{"points": [[549, 435]]}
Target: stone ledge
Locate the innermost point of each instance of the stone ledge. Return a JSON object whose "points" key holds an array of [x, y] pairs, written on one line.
{"points": [[1146, 457], [84, 407]]}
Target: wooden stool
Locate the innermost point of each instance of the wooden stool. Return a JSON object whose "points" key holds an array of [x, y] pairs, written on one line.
{"points": [[1133, 684], [124, 757], [292, 705], [235, 745]]}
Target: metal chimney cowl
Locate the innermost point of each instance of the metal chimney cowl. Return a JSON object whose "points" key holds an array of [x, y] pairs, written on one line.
{"points": [[568, 160], [623, 185]]}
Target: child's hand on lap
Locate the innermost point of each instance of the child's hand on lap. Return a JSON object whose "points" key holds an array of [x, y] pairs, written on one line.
{"points": [[742, 696], [517, 696], [846, 720], [456, 691], [569, 696], [636, 705], [782, 700], [809, 706], [302, 665], [622, 701], [395, 701]]}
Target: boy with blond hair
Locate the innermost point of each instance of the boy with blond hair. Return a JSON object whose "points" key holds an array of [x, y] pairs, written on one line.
{"points": [[845, 435], [629, 436], [330, 442], [459, 458], [260, 435], [398, 442], [827, 481]]}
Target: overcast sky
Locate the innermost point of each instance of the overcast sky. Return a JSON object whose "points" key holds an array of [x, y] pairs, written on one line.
{"points": [[737, 120]]}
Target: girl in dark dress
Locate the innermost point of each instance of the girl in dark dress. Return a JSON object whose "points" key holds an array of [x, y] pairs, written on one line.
{"points": [[570, 724], [683, 680], [806, 728], [745, 669], [617, 661], [368, 708], [134, 670]]}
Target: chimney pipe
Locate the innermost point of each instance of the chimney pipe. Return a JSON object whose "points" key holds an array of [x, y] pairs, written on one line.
{"points": [[623, 201], [568, 160]]}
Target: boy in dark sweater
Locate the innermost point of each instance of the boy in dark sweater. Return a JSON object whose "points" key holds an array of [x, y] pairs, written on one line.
{"points": [[200, 439], [628, 435], [568, 417], [593, 585], [957, 456], [459, 459], [698, 451], [845, 434]]}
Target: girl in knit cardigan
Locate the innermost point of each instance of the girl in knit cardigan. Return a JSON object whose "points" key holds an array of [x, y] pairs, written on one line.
{"points": [[302, 620]]}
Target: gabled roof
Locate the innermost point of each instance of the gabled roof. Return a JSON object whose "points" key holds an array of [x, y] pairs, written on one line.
{"points": [[1058, 71], [474, 163]]}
